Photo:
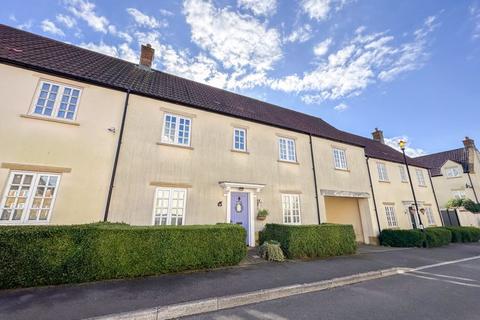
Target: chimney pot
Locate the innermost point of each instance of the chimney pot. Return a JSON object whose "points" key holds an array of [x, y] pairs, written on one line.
{"points": [[146, 56], [378, 135]]}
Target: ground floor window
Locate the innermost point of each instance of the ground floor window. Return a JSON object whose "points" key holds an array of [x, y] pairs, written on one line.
{"points": [[430, 217], [169, 208], [291, 208], [391, 217], [28, 197]]}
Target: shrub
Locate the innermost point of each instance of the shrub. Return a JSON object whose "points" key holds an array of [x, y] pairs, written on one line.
{"points": [[271, 251], [437, 237], [402, 238], [466, 203], [47, 255], [310, 241], [464, 234]]}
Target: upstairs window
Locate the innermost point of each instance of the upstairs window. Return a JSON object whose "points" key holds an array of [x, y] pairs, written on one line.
{"points": [[391, 217], [382, 172], [453, 172], [403, 174], [458, 194], [287, 149], [56, 101], [176, 130], [420, 178], [239, 139], [340, 159]]}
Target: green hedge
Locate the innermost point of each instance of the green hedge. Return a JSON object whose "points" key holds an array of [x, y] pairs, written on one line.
{"points": [[47, 255], [464, 234], [437, 237], [402, 238], [310, 241]]}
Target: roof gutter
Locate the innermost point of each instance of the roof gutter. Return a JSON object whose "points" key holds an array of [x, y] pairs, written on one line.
{"points": [[117, 156], [373, 195]]}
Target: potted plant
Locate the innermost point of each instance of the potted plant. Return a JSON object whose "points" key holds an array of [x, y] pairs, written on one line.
{"points": [[262, 214]]}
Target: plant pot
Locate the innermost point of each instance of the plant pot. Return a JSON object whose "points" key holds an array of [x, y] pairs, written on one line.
{"points": [[261, 218]]}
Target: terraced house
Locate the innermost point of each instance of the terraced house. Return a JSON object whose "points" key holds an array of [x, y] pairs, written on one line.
{"points": [[86, 137]]}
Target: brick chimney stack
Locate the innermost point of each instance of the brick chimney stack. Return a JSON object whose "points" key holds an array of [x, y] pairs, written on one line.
{"points": [[146, 56], [378, 135], [470, 149]]}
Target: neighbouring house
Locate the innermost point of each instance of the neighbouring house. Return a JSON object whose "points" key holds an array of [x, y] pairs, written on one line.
{"points": [[86, 137], [455, 176]]}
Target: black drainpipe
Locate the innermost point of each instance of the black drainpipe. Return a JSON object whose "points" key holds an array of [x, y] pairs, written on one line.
{"points": [[373, 195], [435, 196], [117, 155], [473, 188], [314, 178]]}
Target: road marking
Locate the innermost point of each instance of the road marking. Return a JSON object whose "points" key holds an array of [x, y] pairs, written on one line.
{"points": [[445, 276], [443, 280], [445, 263]]}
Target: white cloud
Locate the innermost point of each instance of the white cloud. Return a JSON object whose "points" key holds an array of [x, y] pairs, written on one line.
{"points": [[320, 9], [411, 152], [237, 41], [123, 35], [259, 7], [66, 20], [123, 51], [50, 27], [362, 61], [26, 25], [301, 34], [322, 48], [143, 20], [85, 10], [475, 16], [12, 17], [341, 107], [166, 13]]}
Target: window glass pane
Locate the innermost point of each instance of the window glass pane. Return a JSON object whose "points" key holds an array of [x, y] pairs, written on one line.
{"points": [[68, 103], [291, 208], [169, 206], [46, 99]]}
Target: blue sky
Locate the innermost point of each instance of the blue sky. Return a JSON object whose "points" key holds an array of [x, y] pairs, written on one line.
{"points": [[411, 68]]}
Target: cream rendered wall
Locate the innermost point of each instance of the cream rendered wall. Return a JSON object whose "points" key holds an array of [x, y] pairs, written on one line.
{"points": [[397, 193], [87, 149], [444, 186], [201, 167], [353, 181]]}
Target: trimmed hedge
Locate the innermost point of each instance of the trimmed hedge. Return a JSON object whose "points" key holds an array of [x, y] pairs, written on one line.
{"points": [[311, 241], [47, 255], [464, 234], [402, 238], [437, 237]]}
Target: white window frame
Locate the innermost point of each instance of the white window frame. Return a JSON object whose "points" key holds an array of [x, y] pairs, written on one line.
{"points": [[430, 217], [459, 194], [287, 211], [420, 178], [166, 139], [58, 100], [340, 159], [391, 216], [235, 130], [169, 209], [382, 172], [30, 196], [403, 174], [290, 149], [453, 172]]}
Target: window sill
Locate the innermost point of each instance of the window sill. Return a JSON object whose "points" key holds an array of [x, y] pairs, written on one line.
{"points": [[240, 151], [31, 116], [457, 177], [422, 186], [384, 181], [341, 169], [290, 162], [174, 145]]}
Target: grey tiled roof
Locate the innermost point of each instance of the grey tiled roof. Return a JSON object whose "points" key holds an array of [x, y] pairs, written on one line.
{"points": [[435, 161], [31, 51]]}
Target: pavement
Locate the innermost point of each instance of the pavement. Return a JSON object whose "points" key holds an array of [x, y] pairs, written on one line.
{"points": [[107, 297], [436, 292]]}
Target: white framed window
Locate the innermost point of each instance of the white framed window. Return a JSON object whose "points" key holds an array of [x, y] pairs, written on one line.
{"points": [[56, 101], [287, 149], [420, 178], [176, 130], [458, 194], [453, 172], [291, 208], [169, 206], [239, 139], [382, 171], [391, 216], [430, 217], [340, 159], [403, 174], [29, 197]]}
